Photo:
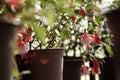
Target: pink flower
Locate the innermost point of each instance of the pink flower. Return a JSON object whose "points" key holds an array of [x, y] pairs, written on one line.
{"points": [[96, 39], [23, 40], [23, 49], [85, 70], [86, 39]]}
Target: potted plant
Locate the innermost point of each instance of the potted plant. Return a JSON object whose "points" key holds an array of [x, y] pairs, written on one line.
{"points": [[51, 24], [88, 43], [112, 22]]}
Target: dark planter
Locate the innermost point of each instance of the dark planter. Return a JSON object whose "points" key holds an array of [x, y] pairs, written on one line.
{"points": [[43, 64], [71, 68], [7, 36], [107, 70]]}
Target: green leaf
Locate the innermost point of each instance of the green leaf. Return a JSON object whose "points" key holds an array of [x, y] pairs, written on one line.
{"points": [[91, 29], [15, 71], [97, 20], [40, 33], [108, 40], [51, 17], [60, 3], [27, 16], [65, 34], [109, 50], [15, 47], [93, 7], [60, 6], [67, 11], [116, 3]]}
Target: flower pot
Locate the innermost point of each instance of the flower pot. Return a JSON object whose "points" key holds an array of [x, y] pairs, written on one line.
{"points": [[43, 64], [107, 70], [7, 36], [71, 68]]}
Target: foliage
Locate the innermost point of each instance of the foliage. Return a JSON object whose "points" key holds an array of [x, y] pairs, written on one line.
{"points": [[61, 23], [116, 4]]}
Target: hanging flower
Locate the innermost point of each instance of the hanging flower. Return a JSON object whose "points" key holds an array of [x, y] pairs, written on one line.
{"points": [[23, 39], [86, 39], [96, 39], [85, 70], [22, 42], [96, 68], [23, 49]]}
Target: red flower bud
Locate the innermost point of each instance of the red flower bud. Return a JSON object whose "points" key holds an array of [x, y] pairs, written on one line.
{"points": [[82, 12], [73, 17]]}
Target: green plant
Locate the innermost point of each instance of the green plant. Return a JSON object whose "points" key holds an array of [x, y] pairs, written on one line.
{"points": [[61, 23]]}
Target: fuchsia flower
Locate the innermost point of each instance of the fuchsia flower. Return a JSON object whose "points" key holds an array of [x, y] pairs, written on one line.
{"points": [[85, 70], [96, 39], [23, 40], [86, 39], [23, 49], [96, 67]]}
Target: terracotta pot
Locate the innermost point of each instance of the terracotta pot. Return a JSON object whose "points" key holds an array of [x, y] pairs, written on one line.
{"points": [[7, 36], [71, 69], [43, 64]]}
